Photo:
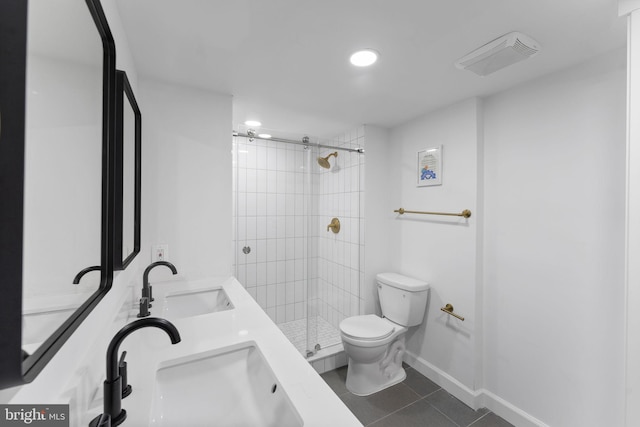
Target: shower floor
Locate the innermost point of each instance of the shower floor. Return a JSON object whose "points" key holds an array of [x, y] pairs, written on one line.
{"points": [[296, 332]]}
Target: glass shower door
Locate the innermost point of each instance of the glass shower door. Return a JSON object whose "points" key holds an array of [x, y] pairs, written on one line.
{"points": [[304, 276], [271, 235], [311, 273], [333, 274]]}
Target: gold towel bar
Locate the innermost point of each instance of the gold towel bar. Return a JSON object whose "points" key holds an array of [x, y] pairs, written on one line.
{"points": [[449, 310], [465, 213]]}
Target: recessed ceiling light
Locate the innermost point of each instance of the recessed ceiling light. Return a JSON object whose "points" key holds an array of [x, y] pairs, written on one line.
{"points": [[364, 57], [264, 135], [253, 123]]}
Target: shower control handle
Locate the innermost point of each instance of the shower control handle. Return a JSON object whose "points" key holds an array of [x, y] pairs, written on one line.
{"points": [[334, 226]]}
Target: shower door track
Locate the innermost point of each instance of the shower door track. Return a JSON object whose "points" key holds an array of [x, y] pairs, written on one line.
{"points": [[305, 141]]}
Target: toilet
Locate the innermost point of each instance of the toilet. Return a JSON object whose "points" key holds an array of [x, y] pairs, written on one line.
{"points": [[375, 345]]}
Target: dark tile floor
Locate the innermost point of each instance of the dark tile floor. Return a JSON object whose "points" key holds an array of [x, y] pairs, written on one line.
{"points": [[417, 401]]}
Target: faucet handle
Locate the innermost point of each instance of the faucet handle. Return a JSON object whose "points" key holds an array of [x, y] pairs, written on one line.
{"points": [[144, 307], [146, 293], [122, 371], [334, 226]]}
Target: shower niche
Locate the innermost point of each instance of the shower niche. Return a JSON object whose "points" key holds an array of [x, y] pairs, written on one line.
{"points": [[286, 192]]}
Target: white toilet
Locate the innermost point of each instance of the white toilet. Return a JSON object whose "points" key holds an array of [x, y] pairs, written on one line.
{"points": [[375, 345]]}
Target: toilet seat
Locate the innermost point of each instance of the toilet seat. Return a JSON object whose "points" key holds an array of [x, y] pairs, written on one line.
{"points": [[368, 327]]}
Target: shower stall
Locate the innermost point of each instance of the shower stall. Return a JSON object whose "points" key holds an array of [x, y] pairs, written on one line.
{"points": [[302, 268]]}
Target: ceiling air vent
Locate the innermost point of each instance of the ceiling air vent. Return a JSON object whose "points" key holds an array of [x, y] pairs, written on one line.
{"points": [[499, 53]]}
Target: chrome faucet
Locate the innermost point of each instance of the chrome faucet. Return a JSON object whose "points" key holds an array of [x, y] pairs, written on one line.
{"points": [[147, 291], [113, 384]]}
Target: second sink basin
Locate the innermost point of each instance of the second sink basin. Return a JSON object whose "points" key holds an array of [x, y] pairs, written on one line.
{"points": [[232, 386], [195, 302]]}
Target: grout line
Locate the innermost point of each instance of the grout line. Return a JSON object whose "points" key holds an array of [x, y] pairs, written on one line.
{"points": [[415, 391], [433, 392], [466, 425], [489, 412], [397, 410], [445, 415], [400, 409], [426, 395]]}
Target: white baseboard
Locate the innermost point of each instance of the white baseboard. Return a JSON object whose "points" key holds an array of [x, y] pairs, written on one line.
{"points": [[508, 411], [473, 398], [450, 384]]}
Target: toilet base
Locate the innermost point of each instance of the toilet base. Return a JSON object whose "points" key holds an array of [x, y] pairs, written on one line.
{"points": [[364, 379], [361, 382]]}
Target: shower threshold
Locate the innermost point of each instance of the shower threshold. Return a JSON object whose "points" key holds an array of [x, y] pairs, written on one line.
{"points": [[327, 336]]}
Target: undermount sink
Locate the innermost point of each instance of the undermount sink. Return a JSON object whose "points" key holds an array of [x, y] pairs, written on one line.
{"points": [[195, 302], [232, 386]]}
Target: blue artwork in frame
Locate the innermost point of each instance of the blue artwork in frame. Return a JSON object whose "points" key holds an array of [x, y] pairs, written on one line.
{"points": [[429, 169]]}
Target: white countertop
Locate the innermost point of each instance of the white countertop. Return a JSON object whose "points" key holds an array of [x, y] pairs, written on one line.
{"points": [[146, 348]]}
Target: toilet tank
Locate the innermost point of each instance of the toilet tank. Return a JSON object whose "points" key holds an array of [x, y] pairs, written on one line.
{"points": [[403, 299]]}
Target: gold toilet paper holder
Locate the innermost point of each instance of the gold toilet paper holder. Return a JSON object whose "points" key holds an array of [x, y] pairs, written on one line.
{"points": [[448, 308]]}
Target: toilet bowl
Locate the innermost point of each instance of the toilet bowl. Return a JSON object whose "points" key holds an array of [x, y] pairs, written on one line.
{"points": [[375, 345]]}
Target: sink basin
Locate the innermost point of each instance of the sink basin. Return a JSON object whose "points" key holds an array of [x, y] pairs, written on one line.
{"points": [[232, 386], [195, 302]]}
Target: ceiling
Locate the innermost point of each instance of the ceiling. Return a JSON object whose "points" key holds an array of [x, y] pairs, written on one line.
{"points": [[286, 61]]}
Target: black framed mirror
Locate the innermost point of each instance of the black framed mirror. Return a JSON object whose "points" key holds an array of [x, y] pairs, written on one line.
{"points": [[57, 81], [128, 133]]}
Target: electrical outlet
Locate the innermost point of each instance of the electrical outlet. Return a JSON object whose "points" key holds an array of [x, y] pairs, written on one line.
{"points": [[159, 253]]}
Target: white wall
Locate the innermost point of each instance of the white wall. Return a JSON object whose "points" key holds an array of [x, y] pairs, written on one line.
{"points": [[186, 177], [378, 211], [537, 271], [554, 245], [633, 218], [439, 249]]}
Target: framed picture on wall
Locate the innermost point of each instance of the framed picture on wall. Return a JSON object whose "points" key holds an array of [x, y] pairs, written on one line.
{"points": [[430, 167]]}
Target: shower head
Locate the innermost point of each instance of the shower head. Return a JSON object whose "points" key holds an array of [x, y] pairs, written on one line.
{"points": [[324, 161]]}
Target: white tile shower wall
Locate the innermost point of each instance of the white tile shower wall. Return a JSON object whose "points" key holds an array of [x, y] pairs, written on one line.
{"points": [[273, 199], [340, 194], [269, 191]]}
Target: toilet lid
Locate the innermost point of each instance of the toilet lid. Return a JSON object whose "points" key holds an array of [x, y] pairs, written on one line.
{"points": [[367, 327]]}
